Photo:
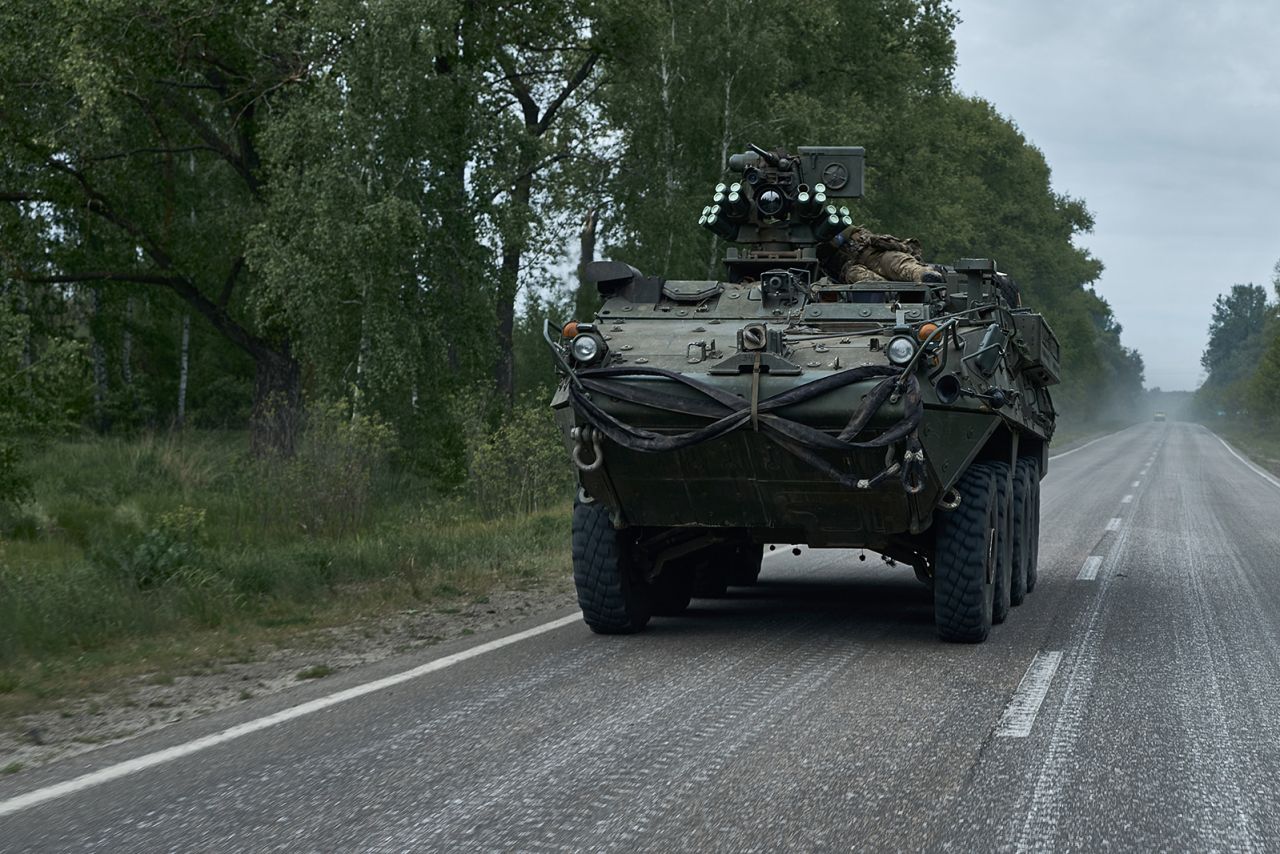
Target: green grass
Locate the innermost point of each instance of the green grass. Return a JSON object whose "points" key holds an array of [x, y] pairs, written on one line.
{"points": [[1260, 442], [1070, 432], [151, 554]]}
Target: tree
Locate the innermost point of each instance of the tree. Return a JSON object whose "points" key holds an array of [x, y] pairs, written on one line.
{"points": [[544, 77], [134, 158], [1235, 334], [690, 84], [352, 212], [1265, 384], [40, 382]]}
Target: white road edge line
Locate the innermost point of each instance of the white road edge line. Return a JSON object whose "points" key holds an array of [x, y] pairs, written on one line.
{"points": [[150, 760], [1081, 448], [1020, 715], [1252, 466], [1134, 485], [1128, 499], [1113, 524], [1089, 571]]}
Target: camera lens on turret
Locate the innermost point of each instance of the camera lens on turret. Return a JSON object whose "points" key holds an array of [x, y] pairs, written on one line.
{"points": [[769, 203]]}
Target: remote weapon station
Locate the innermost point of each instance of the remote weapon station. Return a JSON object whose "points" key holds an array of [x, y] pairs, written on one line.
{"points": [[783, 404]]}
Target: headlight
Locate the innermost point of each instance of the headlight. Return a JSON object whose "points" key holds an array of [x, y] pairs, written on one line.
{"points": [[900, 350], [587, 348]]}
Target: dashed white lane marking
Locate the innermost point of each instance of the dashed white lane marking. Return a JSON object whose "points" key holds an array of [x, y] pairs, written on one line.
{"points": [[1259, 472], [1113, 524], [1020, 715], [1128, 499], [1134, 485], [1089, 571], [150, 760]]}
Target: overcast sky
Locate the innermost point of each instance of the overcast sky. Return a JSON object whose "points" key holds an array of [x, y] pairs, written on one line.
{"points": [[1165, 118]]}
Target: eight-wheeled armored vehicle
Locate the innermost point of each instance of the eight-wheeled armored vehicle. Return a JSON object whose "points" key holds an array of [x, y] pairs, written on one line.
{"points": [[782, 404]]}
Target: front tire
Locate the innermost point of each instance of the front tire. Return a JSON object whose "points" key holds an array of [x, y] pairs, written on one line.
{"points": [[1025, 490], [965, 557], [1003, 596], [1033, 538], [608, 573]]}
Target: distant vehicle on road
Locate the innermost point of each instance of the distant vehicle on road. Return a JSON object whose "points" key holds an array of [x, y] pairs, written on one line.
{"points": [[1159, 416], [832, 390]]}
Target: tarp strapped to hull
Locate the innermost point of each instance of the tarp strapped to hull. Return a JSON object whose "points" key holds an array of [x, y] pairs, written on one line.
{"points": [[728, 412]]}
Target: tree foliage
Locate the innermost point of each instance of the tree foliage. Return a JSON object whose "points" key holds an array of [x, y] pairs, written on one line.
{"points": [[1242, 357], [377, 202], [41, 377]]}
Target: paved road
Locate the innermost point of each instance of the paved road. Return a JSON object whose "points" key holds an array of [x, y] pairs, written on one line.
{"points": [[1137, 708]]}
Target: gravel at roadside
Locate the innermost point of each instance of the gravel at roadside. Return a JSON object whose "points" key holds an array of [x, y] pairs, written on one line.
{"points": [[150, 702]]}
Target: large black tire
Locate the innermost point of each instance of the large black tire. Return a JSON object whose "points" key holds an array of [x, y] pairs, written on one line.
{"points": [[1025, 485], [1003, 597], [608, 574], [965, 559], [1033, 540]]}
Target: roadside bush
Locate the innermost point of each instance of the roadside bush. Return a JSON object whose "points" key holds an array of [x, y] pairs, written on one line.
{"points": [[326, 489], [521, 466], [159, 535], [39, 381], [169, 550]]}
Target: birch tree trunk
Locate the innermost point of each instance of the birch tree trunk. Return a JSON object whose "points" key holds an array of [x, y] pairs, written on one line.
{"points": [[362, 353], [126, 344], [668, 136], [98, 355], [587, 299], [183, 363], [724, 159], [28, 349]]}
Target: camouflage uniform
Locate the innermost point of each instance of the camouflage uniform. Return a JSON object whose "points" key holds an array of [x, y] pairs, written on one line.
{"points": [[868, 257]]}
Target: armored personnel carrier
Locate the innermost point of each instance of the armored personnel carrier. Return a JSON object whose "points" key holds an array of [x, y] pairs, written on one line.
{"points": [[781, 404]]}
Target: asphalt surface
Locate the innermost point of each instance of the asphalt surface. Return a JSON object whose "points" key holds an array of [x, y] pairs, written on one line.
{"points": [[1137, 709]]}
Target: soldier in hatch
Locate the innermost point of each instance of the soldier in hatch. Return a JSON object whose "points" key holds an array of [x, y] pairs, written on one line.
{"points": [[867, 257]]}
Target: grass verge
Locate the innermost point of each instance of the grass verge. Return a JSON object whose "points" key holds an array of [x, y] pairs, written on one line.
{"points": [[1260, 443], [1072, 433], [160, 554]]}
